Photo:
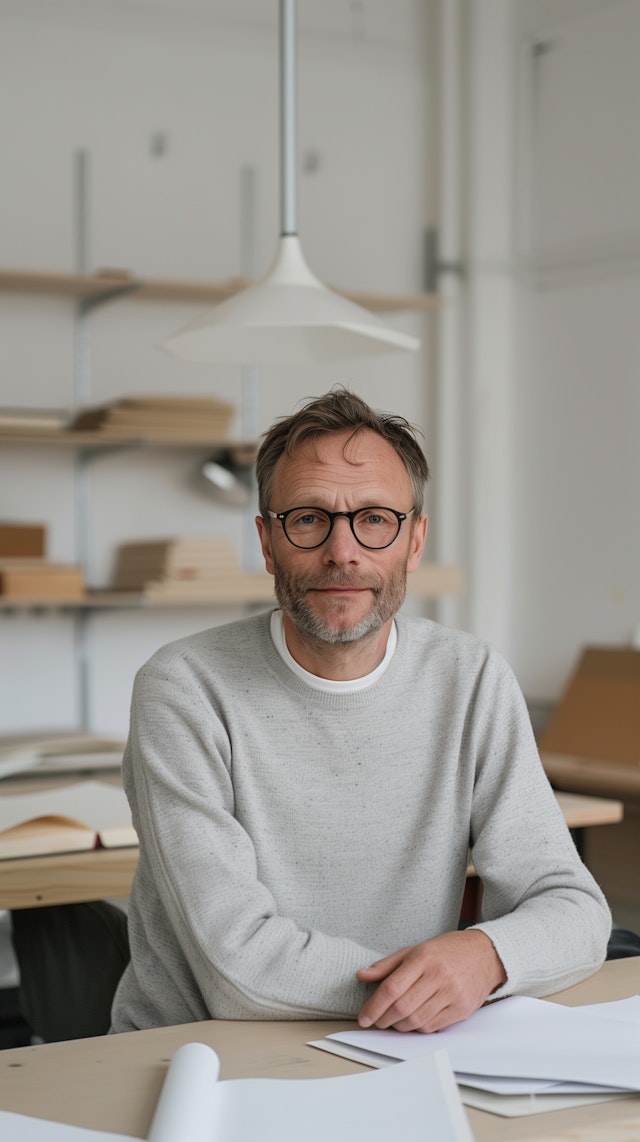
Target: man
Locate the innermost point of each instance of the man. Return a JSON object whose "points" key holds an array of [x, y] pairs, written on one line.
{"points": [[306, 784]]}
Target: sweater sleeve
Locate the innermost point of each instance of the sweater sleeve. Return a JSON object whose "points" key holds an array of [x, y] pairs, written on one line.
{"points": [[247, 960], [544, 912]]}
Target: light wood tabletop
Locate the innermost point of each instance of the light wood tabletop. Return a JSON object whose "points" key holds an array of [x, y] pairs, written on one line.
{"points": [[112, 1082], [72, 878]]}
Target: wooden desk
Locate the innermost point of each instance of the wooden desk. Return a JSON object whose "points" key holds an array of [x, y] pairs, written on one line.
{"points": [[584, 775], [71, 878], [112, 1082]]}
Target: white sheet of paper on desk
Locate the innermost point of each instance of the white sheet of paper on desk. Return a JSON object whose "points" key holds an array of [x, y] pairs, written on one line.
{"points": [[527, 1039], [520, 1105]]}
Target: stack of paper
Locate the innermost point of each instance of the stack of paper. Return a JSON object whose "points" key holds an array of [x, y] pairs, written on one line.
{"points": [[158, 417], [416, 1102], [184, 569], [521, 1056], [53, 751]]}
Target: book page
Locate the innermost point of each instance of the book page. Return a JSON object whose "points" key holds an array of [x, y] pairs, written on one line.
{"points": [[66, 817]]}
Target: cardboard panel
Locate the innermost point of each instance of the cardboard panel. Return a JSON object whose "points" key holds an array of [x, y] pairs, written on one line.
{"points": [[599, 714]]}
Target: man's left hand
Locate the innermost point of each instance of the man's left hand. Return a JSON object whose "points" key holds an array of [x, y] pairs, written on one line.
{"points": [[431, 985]]}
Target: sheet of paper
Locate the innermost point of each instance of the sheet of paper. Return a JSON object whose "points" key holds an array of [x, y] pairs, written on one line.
{"points": [[511, 1098], [22, 1128], [188, 1106], [525, 1038], [532, 1086], [416, 1101], [520, 1105]]}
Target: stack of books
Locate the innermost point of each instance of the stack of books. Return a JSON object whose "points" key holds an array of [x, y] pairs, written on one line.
{"points": [[184, 570], [25, 573], [22, 540], [158, 417], [32, 579]]}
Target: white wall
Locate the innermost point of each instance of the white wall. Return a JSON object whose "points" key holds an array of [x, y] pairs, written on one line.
{"points": [[576, 531], [113, 78], [551, 400]]}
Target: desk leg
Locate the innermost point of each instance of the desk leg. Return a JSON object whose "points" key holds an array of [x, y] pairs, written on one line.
{"points": [[579, 841], [470, 910]]}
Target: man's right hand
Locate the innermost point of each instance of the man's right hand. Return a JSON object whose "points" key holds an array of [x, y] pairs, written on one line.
{"points": [[431, 985]]}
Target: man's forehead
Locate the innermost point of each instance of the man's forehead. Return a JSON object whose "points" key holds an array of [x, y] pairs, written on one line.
{"points": [[348, 447], [363, 457]]}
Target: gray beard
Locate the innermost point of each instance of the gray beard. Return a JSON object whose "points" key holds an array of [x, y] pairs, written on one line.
{"points": [[389, 595]]}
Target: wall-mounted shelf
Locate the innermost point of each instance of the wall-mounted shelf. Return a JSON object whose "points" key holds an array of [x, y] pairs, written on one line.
{"points": [[98, 440], [429, 581], [111, 284]]}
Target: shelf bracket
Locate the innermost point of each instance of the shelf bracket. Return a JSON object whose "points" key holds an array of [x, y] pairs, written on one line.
{"points": [[434, 266]]}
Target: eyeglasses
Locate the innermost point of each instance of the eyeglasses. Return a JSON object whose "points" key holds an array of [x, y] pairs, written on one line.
{"points": [[373, 528]]}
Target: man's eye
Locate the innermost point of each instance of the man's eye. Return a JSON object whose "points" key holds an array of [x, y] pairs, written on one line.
{"points": [[305, 519]]}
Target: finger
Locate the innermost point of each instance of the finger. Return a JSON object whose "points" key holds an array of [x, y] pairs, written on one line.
{"points": [[382, 968], [421, 996], [391, 992], [429, 1017]]}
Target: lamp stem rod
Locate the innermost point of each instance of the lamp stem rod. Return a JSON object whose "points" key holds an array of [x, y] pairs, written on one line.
{"points": [[288, 190]]}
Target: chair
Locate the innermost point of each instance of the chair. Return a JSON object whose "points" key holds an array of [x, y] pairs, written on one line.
{"points": [[70, 958]]}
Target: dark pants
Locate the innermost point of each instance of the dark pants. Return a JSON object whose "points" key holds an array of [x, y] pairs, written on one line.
{"points": [[70, 957]]}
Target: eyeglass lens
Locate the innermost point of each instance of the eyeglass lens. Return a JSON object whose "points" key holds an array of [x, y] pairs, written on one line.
{"points": [[372, 527]]}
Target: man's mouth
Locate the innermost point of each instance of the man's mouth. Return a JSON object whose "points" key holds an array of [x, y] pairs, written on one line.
{"points": [[342, 588]]}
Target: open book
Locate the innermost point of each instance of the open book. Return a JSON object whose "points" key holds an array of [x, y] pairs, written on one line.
{"points": [[70, 818], [415, 1102]]}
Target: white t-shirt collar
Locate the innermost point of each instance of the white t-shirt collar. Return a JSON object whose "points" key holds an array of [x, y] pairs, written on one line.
{"points": [[329, 685]]}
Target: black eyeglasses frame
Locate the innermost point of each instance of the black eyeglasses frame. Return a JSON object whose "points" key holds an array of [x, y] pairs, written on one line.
{"points": [[332, 516]]}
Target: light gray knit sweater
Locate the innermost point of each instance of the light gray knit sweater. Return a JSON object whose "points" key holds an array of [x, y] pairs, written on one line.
{"points": [[290, 836]]}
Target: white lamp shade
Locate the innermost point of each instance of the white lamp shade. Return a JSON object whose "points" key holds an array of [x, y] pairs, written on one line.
{"points": [[289, 317]]}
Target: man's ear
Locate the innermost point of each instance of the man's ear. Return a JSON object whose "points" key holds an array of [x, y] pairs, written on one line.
{"points": [[418, 537], [265, 542]]}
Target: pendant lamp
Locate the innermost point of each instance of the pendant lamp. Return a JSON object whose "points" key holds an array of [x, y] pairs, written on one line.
{"points": [[289, 317]]}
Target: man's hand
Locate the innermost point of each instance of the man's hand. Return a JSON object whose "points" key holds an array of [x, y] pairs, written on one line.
{"points": [[430, 985]]}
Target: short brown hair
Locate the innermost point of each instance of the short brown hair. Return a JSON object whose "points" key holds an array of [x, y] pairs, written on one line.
{"points": [[336, 411]]}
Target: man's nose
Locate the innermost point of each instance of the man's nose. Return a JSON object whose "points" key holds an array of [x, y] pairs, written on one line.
{"points": [[342, 545]]}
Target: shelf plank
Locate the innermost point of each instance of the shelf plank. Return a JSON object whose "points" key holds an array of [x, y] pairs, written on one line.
{"points": [[97, 440], [429, 581], [114, 283], [64, 284]]}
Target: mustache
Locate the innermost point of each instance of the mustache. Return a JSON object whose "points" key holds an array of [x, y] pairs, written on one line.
{"points": [[340, 579]]}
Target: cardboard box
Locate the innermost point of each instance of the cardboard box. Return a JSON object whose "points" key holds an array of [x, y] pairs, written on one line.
{"points": [[598, 716], [22, 541]]}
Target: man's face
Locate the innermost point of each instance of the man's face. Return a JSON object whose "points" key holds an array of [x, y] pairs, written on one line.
{"points": [[341, 592]]}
